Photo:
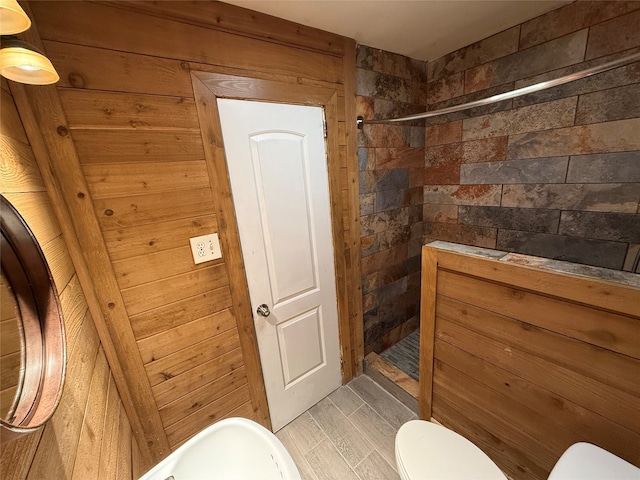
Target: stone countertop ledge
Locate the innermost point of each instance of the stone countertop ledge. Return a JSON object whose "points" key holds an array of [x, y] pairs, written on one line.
{"points": [[626, 278]]}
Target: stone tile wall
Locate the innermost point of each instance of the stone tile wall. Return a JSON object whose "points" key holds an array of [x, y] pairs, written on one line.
{"points": [[391, 161], [556, 173]]}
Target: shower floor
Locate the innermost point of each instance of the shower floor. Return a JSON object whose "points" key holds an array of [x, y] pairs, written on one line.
{"points": [[405, 354]]}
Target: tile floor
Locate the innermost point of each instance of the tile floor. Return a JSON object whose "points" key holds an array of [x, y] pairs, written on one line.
{"points": [[405, 354], [350, 435]]}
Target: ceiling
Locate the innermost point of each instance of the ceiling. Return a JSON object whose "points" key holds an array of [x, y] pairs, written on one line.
{"points": [[420, 29]]}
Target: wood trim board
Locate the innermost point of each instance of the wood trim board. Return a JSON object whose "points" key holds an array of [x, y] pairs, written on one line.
{"points": [[207, 87]]}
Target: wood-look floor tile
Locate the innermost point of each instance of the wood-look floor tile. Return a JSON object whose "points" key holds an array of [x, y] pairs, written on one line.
{"points": [[306, 472], [381, 435], [305, 432], [374, 467], [347, 401], [328, 464], [341, 432], [382, 402]]}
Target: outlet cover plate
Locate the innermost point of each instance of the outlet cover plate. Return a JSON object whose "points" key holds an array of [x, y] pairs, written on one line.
{"points": [[205, 248]]}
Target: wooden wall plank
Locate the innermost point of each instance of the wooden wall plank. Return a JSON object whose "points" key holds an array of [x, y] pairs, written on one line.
{"points": [[181, 312], [8, 395], [138, 467], [18, 169], [156, 294], [519, 426], [87, 464], [108, 110], [245, 411], [116, 213], [92, 25], [170, 341], [611, 403], [174, 388], [10, 364], [621, 334], [137, 146], [589, 291], [456, 412], [45, 228], [74, 309], [619, 371], [129, 179], [9, 334], [182, 430], [109, 452], [124, 468], [59, 262], [547, 404], [10, 118], [200, 397], [226, 17], [136, 271], [16, 456], [56, 453], [147, 239], [84, 68], [248, 88], [170, 366]]}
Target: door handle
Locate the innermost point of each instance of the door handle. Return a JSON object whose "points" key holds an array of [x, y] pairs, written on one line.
{"points": [[263, 310]]}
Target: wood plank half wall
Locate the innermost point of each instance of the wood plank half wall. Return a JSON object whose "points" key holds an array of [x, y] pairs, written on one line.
{"points": [[526, 361], [126, 145]]}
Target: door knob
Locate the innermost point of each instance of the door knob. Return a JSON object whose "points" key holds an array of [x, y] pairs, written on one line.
{"points": [[263, 310]]}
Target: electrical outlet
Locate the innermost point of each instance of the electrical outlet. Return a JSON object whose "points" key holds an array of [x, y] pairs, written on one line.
{"points": [[205, 248]]}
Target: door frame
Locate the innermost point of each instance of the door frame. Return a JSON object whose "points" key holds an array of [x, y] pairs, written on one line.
{"points": [[207, 87]]}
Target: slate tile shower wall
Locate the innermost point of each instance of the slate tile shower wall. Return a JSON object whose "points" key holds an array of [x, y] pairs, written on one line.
{"points": [[555, 173], [391, 162]]}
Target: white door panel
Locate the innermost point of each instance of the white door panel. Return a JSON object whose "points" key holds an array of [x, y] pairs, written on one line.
{"points": [[278, 171]]}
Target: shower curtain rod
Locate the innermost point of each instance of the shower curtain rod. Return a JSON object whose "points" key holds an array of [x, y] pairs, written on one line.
{"points": [[512, 94]]}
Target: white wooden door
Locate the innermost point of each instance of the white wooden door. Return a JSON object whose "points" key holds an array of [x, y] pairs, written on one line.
{"points": [[278, 171]]}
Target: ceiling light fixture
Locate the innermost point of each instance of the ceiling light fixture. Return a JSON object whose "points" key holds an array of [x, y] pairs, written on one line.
{"points": [[13, 19], [20, 61]]}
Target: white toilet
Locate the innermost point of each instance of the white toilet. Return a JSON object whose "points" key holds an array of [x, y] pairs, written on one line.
{"points": [[425, 450]]}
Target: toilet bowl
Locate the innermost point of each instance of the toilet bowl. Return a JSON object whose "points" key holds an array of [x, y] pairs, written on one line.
{"points": [[584, 461], [425, 450]]}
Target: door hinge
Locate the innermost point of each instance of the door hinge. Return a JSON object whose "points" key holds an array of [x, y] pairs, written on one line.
{"points": [[324, 124]]}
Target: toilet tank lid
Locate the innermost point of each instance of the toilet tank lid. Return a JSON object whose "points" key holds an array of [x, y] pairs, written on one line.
{"points": [[428, 450], [584, 461]]}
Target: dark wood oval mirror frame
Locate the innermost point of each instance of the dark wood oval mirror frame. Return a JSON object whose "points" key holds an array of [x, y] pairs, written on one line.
{"points": [[28, 274]]}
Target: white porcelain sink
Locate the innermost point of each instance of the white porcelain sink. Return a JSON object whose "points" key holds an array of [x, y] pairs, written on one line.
{"points": [[232, 449]]}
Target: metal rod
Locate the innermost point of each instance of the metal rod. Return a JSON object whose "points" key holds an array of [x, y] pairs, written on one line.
{"points": [[512, 94]]}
